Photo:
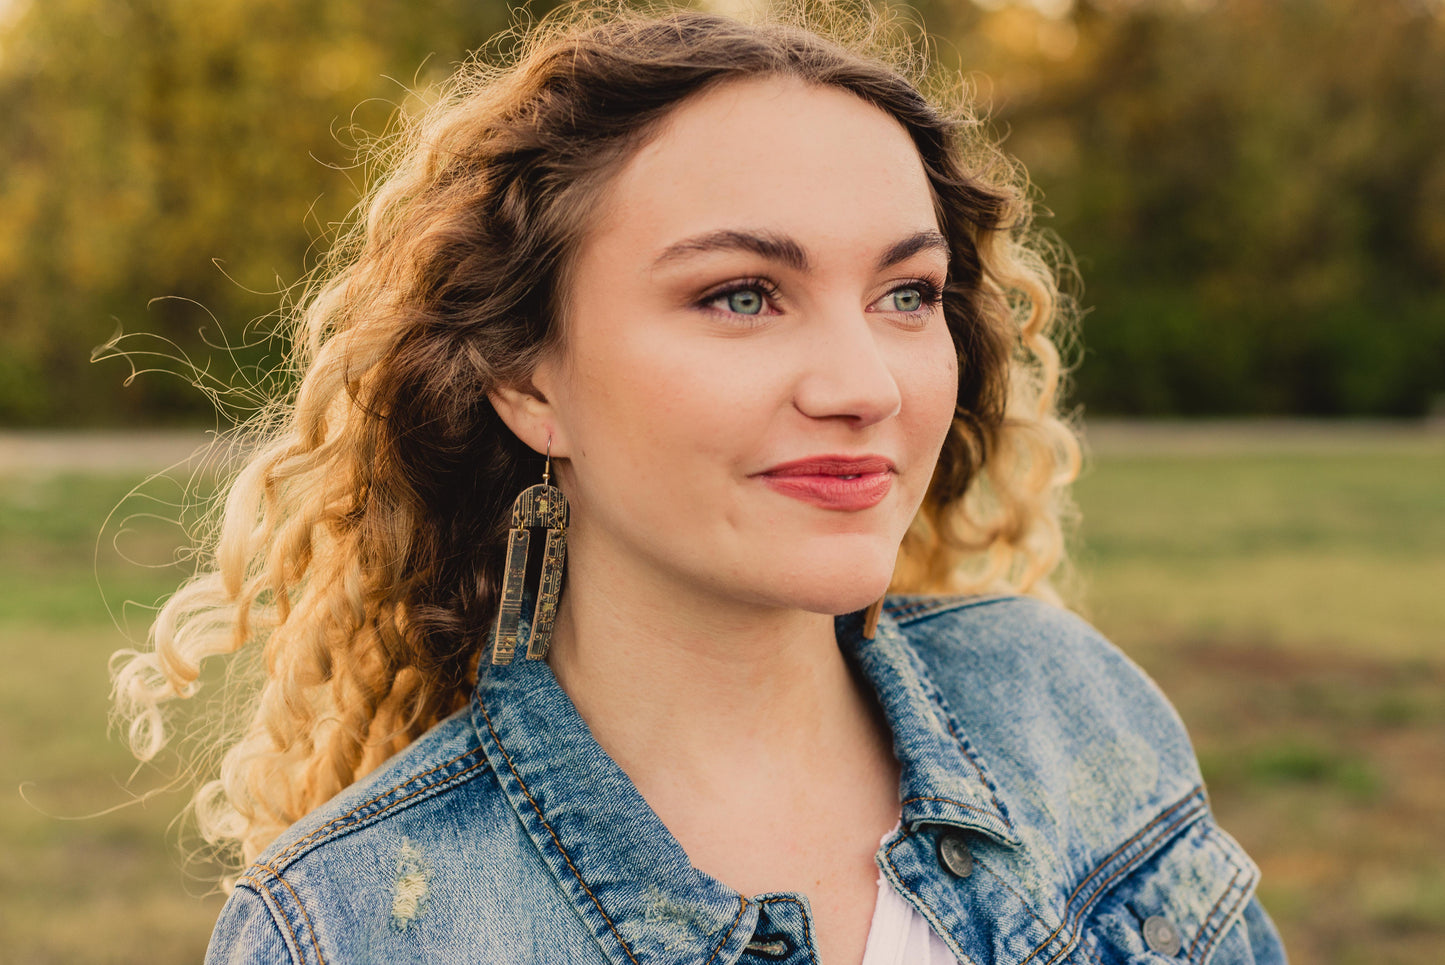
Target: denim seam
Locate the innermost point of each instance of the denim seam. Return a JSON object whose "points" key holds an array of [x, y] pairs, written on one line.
{"points": [[555, 839], [934, 695], [1230, 855], [1205, 921], [268, 901], [1219, 932], [904, 612], [293, 850], [807, 933], [742, 907], [978, 768], [948, 605], [1141, 833], [310, 928], [1208, 922], [1233, 852], [949, 800], [923, 907], [1250, 877], [1158, 819], [1089, 952], [979, 863], [1123, 869]]}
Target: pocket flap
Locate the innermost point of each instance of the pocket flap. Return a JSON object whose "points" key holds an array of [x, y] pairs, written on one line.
{"points": [[1176, 905]]}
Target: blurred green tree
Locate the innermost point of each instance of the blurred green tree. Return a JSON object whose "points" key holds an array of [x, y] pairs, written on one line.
{"points": [[147, 138], [1255, 189], [1256, 193]]}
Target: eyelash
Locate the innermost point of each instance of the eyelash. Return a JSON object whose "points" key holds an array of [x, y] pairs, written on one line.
{"points": [[930, 293]]}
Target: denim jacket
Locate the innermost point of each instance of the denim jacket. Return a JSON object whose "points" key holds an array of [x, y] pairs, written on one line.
{"points": [[1052, 814]]}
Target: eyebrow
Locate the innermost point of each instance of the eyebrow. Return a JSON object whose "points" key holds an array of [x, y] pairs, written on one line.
{"points": [[781, 248]]}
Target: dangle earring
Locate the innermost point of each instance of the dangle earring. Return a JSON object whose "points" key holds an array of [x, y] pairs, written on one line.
{"points": [[870, 619], [540, 505]]}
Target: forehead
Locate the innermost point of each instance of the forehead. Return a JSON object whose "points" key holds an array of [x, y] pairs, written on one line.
{"points": [[817, 163]]}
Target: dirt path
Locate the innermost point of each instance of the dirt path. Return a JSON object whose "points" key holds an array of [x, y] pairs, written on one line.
{"points": [[1226, 437], [150, 450], [47, 452]]}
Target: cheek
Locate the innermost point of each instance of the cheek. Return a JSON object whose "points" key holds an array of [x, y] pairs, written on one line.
{"points": [[643, 405], [646, 389], [930, 392]]}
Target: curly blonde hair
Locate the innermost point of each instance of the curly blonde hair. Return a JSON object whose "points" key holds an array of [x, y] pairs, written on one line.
{"points": [[355, 564]]}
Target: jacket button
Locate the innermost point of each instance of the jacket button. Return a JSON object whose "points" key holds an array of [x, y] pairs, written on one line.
{"points": [[1161, 936], [954, 855]]}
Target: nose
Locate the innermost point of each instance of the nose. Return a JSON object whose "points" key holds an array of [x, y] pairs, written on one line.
{"points": [[846, 375]]}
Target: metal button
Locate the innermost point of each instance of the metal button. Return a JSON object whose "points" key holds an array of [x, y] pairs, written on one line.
{"points": [[954, 855], [1161, 936]]}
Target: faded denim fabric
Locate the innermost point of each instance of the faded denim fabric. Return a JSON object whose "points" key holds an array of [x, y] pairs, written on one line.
{"points": [[1053, 812]]}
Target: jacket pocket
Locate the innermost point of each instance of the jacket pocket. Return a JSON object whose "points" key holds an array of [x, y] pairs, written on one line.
{"points": [[1178, 905]]}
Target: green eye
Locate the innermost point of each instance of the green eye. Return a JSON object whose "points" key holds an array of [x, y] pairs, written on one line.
{"points": [[747, 301], [908, 299]]}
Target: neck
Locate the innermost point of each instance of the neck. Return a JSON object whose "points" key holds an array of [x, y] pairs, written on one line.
{"points": [[688, 691]]}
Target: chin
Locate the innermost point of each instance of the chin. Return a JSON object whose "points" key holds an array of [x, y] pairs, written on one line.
{"points": [[836, 583], [835, 603]]}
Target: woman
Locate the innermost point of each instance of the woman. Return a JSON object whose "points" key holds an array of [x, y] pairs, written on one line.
{"points": [[755, 315]]}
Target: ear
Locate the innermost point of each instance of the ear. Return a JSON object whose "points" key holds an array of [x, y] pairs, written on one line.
{"points": [[529, 412]]}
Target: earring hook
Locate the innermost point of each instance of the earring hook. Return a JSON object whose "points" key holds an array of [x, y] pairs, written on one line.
{"points": [[547, 468]]}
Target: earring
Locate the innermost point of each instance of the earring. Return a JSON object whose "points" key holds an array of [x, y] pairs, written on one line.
{"points": [[541, 505], [870, 619]]}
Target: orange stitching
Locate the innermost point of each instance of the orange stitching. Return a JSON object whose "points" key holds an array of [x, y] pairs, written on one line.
{"points": [[330, 825], [289, 852], [284, 920], [949, 800], [1204, 922], [737, 918], [555, 840], [1122, 869], [1027, 907], [1160, 817], [1093, 954], [888, 855], [913, 612], [807, 935], [1219, 932], [966, 753], [1100, 866], [310, 928], [1022, 900], [962, 746], [1229, 859], [929, 913], [1204, 925]]}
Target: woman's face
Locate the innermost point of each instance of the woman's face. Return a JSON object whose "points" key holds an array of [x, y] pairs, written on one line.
{"points": [[760, 290]]}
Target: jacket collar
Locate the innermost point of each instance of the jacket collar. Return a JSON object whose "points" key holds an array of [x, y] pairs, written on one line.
{"points": [[627, 876], [944, 779]]}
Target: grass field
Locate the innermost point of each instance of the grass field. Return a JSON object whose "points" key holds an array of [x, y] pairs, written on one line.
{"points": [[1291, 603]]}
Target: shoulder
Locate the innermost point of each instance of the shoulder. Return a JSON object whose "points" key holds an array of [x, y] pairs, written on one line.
{"points": [[419, 778], [1043, 658], [1014, 639], [351, 879], [1063, 716], [1099, 778]]}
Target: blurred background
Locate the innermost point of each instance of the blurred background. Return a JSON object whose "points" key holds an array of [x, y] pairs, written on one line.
{"points": [[1254, 191]]}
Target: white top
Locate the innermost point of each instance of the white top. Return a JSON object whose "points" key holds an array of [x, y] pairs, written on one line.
{"points": [[899, 935]]}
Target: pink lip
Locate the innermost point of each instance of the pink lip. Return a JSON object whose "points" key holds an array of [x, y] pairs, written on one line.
{"points": [[819, 480]]}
